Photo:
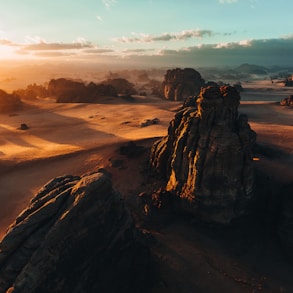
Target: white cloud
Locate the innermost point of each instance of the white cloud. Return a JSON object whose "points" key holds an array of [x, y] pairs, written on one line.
{"points": [[5, 42], [227, 1], [99, 18], [34, 39], [109, 3], [184, 35]]}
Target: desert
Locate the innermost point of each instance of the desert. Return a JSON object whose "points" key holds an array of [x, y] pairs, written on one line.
{"points": [[188, 255]]}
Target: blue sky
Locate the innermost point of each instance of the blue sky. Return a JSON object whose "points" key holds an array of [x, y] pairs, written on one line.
{"points": [[146, 32]]}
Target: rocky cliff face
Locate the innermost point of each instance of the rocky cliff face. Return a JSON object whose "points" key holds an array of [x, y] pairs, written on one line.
{"points": [[181, 83], [75, 236], [206, 157]]}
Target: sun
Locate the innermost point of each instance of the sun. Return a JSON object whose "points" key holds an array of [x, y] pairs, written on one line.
{"points": [[7, 52]]}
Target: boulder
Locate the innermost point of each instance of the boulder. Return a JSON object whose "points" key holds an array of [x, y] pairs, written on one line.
{"points": [[287, 101], [206, 158], [23, 126], [75, 236], [179, 84]]}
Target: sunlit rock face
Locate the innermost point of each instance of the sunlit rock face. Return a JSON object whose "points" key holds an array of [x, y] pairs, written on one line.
{"points": [[181, 83], [75, 236], [206, 157]]}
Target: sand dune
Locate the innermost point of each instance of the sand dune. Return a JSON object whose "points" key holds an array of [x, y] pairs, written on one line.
{"points": [[31, 157]]}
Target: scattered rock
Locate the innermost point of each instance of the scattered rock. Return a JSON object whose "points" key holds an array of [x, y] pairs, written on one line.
{"points": [[23, 126], [75, 236], [287, 101], [181, 83], [149, 122], [206, 158]]}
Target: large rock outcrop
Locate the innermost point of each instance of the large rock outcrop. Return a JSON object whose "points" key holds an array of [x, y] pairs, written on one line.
{"points": [[181, 83], [70, 91], [206, 157], [122, 86], [9, 102], [75, 236]]}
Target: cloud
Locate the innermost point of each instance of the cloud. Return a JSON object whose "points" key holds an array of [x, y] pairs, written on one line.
{"points": [[109, 3], [98, 51], [228, 1], [51, 54], [5, 42], [99, 18], [137, 50], [44, 46], [181, 36]]}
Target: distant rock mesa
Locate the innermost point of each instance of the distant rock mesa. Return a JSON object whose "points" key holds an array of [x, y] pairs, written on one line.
{"points": [[181, 83], [75, 236], [206, 157]]}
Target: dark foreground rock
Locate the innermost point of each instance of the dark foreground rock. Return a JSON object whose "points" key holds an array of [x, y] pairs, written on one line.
{"points": [[206, 158], [285, 227], [75, 236], [181, 83]]}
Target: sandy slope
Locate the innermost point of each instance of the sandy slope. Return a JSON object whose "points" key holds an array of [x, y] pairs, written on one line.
{"points": [[31, 157], [78, 138]]}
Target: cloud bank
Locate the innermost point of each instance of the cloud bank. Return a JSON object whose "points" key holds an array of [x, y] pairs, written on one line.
{"points": [[262, 52], [181, 36]]}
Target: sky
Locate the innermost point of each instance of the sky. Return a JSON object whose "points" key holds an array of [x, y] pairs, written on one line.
{"points": [[177, 33]]}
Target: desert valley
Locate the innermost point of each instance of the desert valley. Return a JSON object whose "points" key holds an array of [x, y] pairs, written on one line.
{"points": [[206, 247]]}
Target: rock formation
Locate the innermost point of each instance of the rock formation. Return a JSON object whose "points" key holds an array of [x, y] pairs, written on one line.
{"points": [[69, 91], [181, 83], [122, 86], [9, 102], [75, 236], [32, 91], [289, 81], [206, 157], [287, 101]]}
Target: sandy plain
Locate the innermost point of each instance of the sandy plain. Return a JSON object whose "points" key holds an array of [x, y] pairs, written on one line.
{"points": [[79, 138]]}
